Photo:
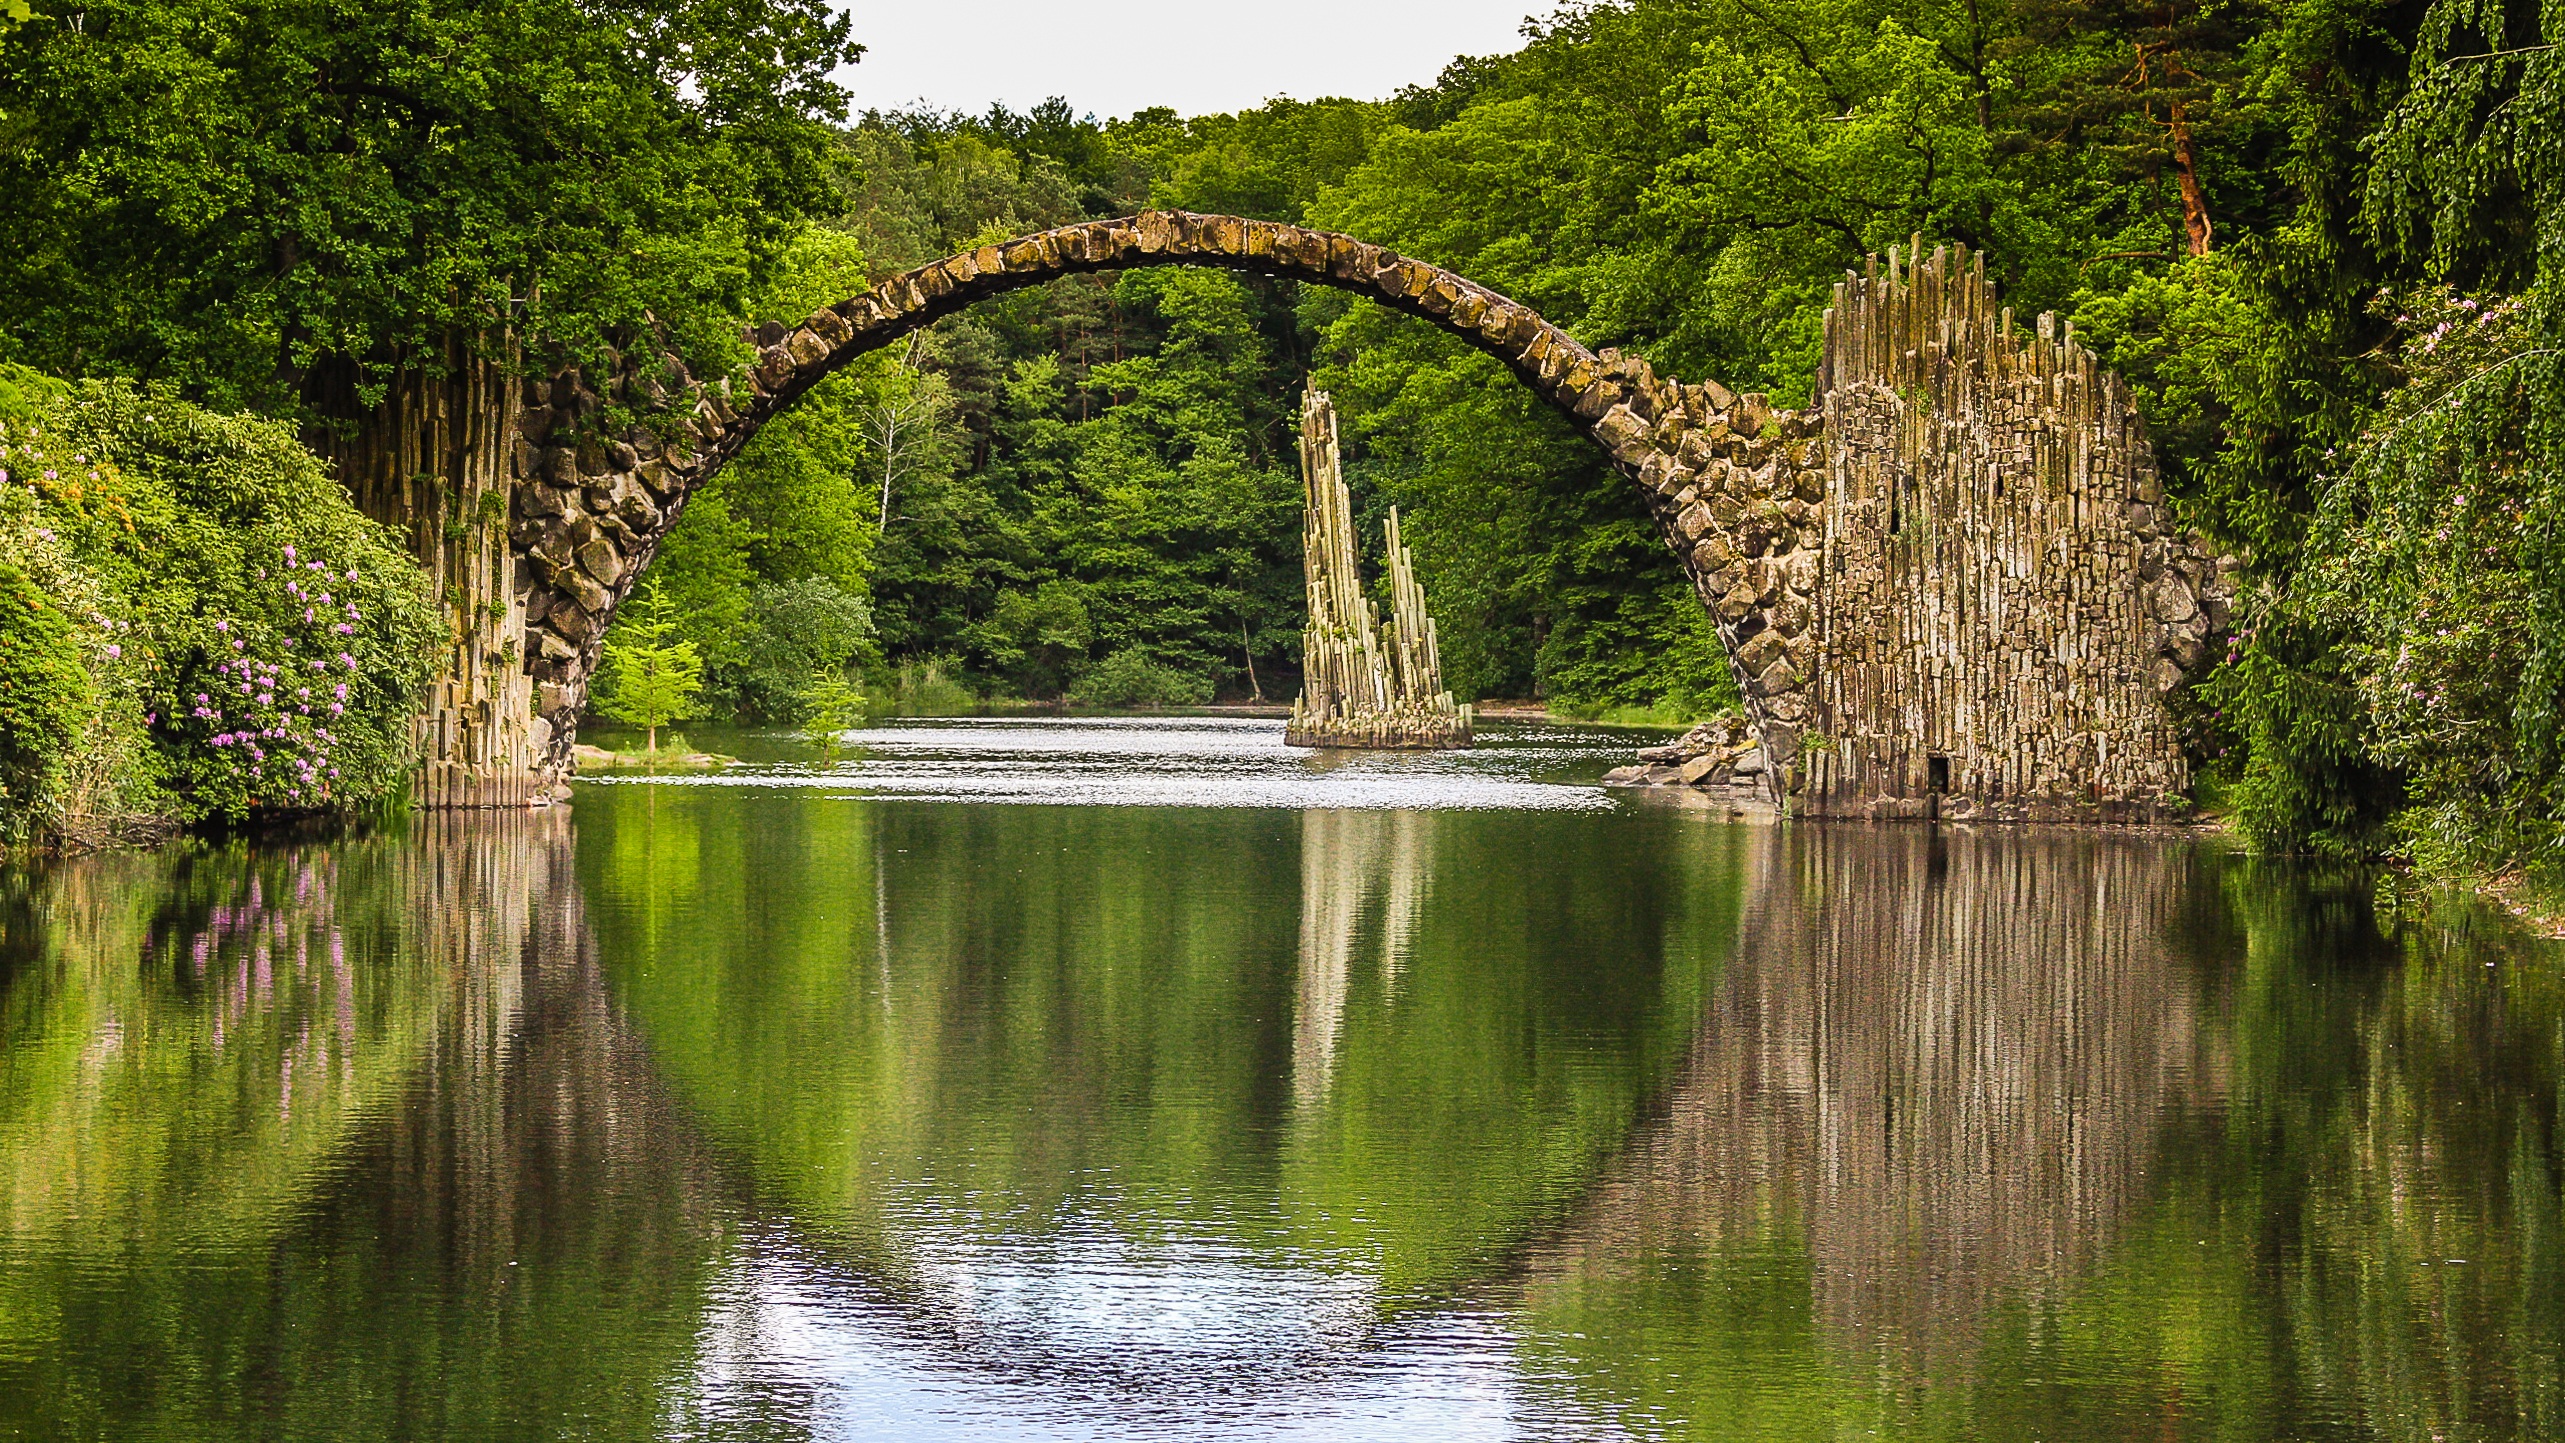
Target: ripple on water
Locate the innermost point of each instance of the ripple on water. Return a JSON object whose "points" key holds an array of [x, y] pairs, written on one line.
{"points": [[1180, 762]]}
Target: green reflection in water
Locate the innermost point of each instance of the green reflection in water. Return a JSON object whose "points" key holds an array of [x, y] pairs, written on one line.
{"points": [[2029, 1137], [315, 1143], [1397, 1039], [1732, 1131]]}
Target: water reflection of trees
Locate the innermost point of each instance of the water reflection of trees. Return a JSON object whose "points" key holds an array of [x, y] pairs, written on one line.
{"points": [[331, 1141], [1975, 1136]]}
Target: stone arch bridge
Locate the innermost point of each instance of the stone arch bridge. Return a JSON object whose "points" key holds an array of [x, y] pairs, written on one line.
{"points": [[1946, 588]]}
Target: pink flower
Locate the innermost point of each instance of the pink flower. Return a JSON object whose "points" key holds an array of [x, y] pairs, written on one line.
{"points": [[289, 553], [222, 626], [115, 651]]}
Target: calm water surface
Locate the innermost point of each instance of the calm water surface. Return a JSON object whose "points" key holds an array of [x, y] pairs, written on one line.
{"points": [[1067, 1080]]}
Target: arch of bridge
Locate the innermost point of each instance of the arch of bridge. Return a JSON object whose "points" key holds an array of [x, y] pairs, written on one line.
{"points": [[1736, 488]]}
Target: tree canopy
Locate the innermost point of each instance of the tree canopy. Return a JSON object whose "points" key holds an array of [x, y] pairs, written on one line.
{"points": [[223, 193]]}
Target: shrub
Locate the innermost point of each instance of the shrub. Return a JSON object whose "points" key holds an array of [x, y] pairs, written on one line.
{"points": [[649, 680], [924, 688], [1133, 678], [805, 631], [44, 695], [250, 641]]}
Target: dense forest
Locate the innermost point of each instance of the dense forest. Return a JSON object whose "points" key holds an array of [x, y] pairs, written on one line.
{"points": [[2322, 237]]}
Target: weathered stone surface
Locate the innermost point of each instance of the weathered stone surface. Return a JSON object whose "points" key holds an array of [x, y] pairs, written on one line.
{"points": [[600, 559], [1999, 611], [1362, 684]]}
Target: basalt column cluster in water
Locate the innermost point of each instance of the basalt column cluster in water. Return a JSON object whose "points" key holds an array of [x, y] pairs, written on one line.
{"points": [[1357, 691]]}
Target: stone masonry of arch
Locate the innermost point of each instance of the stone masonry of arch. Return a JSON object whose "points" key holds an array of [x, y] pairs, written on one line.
{"points": [[1859, 655]]}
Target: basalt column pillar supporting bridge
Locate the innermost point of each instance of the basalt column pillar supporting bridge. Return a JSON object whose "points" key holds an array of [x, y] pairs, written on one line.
{"points": [[1743, 494]]}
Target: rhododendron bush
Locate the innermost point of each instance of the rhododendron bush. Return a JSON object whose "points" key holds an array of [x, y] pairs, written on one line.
{"points": [[250, 642]]}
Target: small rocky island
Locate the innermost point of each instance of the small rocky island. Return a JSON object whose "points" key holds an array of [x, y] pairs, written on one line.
{"points": [[1720, 759], [1362, 690]]}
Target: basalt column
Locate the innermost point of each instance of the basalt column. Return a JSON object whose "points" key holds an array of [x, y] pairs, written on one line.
{"points": [[1356, 691], [432, 462], [2005, 600]]}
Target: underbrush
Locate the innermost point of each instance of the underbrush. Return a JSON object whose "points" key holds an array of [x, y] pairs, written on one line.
{"points": [[195, 623]]}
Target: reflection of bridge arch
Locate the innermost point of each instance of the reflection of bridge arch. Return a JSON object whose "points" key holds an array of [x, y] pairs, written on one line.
{"points": [[590, 512]]}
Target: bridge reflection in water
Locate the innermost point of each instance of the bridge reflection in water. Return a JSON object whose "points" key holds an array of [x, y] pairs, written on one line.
{"points": [[785, 1116]]}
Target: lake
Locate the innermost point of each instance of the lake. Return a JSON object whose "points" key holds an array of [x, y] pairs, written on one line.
{"points": [[1118, 1079]]}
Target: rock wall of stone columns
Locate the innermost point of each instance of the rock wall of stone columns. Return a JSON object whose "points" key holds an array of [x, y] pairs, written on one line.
{"points": [[2006, 600], [432, 462], [1942, 559]]}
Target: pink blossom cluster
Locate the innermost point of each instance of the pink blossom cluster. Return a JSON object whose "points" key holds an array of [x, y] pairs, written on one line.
{"points": [[269, 716]]}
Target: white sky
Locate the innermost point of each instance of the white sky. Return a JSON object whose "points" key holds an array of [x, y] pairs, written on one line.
{"points": [[1112, 57]]}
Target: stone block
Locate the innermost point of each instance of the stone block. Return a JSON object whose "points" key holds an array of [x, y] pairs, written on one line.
{"points": [[2169, 600], [585, 593], [1766, 648], [601, 560]]}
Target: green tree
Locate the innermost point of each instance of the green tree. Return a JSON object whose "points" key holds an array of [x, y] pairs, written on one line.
{"points": [[803, 630], [650, 680], [830, 703], [330, 186]]}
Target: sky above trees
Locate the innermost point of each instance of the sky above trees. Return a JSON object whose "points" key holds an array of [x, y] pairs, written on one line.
{"points": [[1200, 59]]}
